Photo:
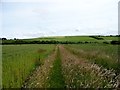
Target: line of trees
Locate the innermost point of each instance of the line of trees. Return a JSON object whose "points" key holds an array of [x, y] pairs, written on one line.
{"points": [[43, 42], [97, 37], [5, 42]]}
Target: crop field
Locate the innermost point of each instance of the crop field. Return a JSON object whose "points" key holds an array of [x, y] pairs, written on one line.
{"points": [[61, 65], [20, 60], [74, 38], [67, 38], [105, 55]]}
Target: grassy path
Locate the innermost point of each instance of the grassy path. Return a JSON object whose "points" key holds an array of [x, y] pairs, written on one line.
{"points": [[66, 69], [80, 73], [56, 79], [40, 75]]}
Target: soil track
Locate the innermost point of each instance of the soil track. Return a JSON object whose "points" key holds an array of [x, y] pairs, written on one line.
{"points": [[80, 73], [77, 72], [40, 75]]}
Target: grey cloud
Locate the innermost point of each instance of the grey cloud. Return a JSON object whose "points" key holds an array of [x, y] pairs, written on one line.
{"points": [[77, 30]]}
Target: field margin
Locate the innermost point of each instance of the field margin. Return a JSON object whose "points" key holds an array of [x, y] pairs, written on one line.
{"points": [[0, 66]]}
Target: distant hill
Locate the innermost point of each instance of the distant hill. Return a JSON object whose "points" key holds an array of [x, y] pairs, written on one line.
{"points": [[64, 40]]}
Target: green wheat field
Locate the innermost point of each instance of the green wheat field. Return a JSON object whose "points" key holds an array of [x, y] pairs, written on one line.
{"points": [[86, 63]]}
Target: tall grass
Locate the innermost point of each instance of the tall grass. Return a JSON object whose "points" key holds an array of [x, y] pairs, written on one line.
{"points": [[103, 55], [0, 66], [19, 61], [82, 74]]}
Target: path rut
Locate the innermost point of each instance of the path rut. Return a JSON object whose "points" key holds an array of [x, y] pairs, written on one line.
{"points": [[40, 75], [77, 72], [80, 73]]}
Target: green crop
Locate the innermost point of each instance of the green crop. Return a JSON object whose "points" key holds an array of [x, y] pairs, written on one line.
{"points": [[20, 60]]}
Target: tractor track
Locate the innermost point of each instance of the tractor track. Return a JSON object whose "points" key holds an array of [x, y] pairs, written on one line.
{"points": [[40, 75], [76, 71]]}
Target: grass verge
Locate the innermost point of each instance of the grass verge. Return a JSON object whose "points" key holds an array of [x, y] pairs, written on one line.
{"points": [[97, 55], [19, 61]]}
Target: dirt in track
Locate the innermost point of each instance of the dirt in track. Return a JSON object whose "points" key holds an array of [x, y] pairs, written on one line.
{"points": [[81, 73], [77, 72], [40, 75]]}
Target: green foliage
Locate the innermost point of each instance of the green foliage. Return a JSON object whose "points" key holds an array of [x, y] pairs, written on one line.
{"points": [[103, 55], [64, 40], [19, 61], [75, 38]]}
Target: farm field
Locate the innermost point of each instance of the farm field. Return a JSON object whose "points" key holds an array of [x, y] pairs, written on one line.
{"points": [[74, 38], [105, 55], [64, 40], [61, 65], [20, 60], [60, 44]]}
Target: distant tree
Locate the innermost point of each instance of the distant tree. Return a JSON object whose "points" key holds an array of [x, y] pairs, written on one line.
{"points": [[15, 39], [117, 35], [4, 38], [115, 42]]}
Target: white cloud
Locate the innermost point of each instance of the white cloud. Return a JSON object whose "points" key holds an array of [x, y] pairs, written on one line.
{"points": [[35, 34], [68, 17], [0, 19]]}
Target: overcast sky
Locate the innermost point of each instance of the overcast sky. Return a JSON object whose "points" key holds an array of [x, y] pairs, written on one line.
{"points": [[36, 18]]}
